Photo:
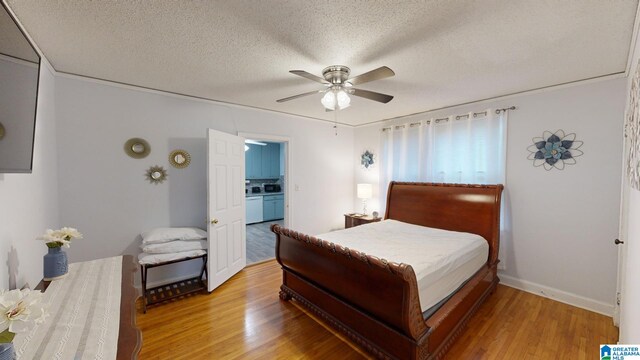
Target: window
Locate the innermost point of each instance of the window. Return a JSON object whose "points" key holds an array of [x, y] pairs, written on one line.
{"points": [[468, 148]]}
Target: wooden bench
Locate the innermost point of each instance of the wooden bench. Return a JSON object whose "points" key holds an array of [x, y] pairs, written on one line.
{"points": [[172, 290]]}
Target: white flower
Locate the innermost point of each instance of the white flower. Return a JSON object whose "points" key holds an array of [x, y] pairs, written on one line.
{"points": [[62, 237], [65, 243], [20, 310], [68, 233], [53, 237], [49, 236]]}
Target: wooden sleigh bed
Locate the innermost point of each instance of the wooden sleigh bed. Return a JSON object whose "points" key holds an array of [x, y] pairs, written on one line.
{"points": [[375, 302]]}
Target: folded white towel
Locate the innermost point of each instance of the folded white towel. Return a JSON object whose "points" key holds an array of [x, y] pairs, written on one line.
{"points": [[174, 246], [161, 235], [145, 258]]}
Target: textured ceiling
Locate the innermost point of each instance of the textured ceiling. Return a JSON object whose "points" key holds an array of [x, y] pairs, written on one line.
{"points": [[12, 42], [443, 52]]}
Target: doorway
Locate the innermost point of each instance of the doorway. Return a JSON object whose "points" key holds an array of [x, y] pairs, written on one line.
{"points": [[266, 184]]}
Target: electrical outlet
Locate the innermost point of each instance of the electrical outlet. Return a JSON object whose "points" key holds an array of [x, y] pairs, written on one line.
{"points": [[296, 187]]}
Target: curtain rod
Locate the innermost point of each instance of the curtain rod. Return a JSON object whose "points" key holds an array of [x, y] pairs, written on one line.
{"points": [[458, 117], [498, 111]]}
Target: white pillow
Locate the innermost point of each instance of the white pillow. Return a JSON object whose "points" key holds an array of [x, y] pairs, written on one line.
{"points": [[174, 246], [161, 235]]}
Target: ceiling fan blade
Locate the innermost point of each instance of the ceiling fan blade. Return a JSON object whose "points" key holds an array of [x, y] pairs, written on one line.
{"points": [[377, 74], [375, 96], [299, 96], [309, 76]]}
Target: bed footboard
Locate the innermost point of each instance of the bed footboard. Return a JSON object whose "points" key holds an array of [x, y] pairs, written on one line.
{"points": [[376, 302], [373, 301]]}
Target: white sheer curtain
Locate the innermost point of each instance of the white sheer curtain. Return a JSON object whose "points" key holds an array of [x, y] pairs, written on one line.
{"points": [[469, 148]]}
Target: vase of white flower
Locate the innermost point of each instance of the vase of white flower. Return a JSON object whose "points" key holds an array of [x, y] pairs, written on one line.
{"points": [[7, 352], [55, 261], [55, 264]]}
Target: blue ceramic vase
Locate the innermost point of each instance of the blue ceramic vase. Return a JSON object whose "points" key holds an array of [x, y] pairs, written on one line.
{"points": [[55, 264], [7, 351]]}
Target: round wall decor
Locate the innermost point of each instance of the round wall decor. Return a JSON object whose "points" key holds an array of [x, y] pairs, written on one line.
{"points": [[137, 148], [367, 159], [554, 150], [179, 159], [156, 174]]}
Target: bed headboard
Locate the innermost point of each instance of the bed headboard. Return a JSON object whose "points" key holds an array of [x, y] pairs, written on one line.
{"points": [[457, 207]]}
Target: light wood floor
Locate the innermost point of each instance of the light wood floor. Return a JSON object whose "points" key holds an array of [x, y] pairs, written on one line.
{"points": [[261, 242], [244, 319]]}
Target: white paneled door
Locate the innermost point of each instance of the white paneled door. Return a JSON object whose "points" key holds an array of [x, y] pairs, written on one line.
{"points": [[226, 207]]}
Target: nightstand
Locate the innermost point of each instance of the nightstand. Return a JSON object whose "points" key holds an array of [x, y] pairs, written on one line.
{"points": [[351, 220]]}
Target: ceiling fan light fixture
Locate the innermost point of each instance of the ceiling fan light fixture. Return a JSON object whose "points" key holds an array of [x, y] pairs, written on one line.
{"points": [[339, 86], [329, 100], [343, 99]]}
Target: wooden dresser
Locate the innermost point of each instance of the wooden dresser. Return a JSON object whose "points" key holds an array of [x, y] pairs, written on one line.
{"points": [[129, 337]]}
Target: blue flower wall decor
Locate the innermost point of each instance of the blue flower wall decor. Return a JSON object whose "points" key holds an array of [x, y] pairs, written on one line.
{"points": [[554, 150], [367, 159]]}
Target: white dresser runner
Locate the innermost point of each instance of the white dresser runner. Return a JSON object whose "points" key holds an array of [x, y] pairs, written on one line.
{"points": [[84, 315]]}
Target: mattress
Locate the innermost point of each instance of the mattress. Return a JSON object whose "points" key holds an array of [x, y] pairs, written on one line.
{"points": [[442, 260]]}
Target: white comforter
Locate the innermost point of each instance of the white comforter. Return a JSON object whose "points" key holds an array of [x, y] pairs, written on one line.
{"points": [[442, 260]]}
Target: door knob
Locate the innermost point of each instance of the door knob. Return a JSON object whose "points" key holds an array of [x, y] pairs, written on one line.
{"points": [[618, 242], [214, 221]]}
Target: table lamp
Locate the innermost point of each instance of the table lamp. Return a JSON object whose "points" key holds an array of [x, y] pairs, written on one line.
{"points": [[365, 191]]}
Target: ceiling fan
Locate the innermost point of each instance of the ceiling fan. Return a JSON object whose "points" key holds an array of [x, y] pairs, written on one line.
{"points": [[339, 86]]}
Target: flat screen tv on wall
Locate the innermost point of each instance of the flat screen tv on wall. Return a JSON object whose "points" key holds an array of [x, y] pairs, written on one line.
{"points": [[19, 75]]}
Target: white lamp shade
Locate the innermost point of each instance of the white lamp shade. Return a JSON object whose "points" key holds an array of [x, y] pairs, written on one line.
{"points": [[343, 99], [365, 191], [329, 100]]}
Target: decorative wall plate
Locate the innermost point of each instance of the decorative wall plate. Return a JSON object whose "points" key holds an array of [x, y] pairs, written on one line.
{"points": [[156, 174], [2, 132], [554, 150], [367, 159], [137, 148], [179, 159]]}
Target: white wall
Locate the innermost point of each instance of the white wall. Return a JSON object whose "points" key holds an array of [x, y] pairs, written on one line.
{"points": [[29, 202], [630, 297], [563, 222], [105, 195], [17, 111]]}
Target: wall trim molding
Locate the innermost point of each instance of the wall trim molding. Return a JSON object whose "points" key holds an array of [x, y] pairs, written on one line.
{"points": [[132, 87], [515, 95], [557, 295]]}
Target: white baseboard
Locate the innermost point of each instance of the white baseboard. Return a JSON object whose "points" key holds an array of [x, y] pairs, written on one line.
{"points": [[557, 295]]}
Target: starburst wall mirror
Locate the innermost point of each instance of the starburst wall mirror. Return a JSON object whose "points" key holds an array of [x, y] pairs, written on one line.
{"points": [[156, 174]]}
